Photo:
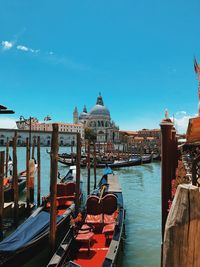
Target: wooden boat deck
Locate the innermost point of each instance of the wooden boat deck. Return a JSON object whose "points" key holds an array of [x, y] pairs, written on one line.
{"points": [[114, 185]]}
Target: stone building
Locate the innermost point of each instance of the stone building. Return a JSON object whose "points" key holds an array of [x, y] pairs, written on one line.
{"points": [[99, 120]]}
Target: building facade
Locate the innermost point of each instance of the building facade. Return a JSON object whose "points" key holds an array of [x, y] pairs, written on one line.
{"points": [[99, 120], [65, 139]]}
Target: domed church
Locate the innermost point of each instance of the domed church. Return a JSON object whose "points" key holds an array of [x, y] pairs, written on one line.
{"points": [[99, 120]]}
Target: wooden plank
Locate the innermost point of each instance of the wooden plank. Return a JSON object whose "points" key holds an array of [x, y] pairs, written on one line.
{"points": [[112, 250], [113, 182], [15, 181]]}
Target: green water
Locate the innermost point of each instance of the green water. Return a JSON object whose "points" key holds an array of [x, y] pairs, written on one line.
{"points": [[141, 192]]}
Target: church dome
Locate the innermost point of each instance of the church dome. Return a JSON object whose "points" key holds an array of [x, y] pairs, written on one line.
{"points": [[99, 109]]}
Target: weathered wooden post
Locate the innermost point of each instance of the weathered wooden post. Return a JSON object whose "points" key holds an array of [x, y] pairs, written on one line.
{"points": [[33, 149], [95, 165], [53, 186], [78, 160], [15, 181], [31, 179], [88, 168], [173, 154], [38, 171], [27, 176], [7, 157], [166, 137], [2, 158]]}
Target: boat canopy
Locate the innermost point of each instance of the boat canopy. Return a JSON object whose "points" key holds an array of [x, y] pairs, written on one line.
{"points": [[193, 131], [26, 232]]}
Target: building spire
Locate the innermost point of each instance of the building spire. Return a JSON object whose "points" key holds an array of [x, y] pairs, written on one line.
{"points": [[85, 109], [166, 114], [100, 100]]}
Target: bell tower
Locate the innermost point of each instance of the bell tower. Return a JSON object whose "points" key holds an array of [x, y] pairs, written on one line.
{"points": [[75, 115]]}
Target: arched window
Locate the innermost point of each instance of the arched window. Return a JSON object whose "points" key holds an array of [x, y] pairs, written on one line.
{"points": [[95, 125], [106, 124], [99, 124], [102, 124]]}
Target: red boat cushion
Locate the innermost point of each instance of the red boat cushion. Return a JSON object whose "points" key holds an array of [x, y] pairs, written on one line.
{"points": [[109, 228], [84, 237], [107, 219], [66, 189], [94, 218], [93, 205]]}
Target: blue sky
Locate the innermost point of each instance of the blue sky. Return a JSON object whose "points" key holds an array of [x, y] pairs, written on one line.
{"points": [[55, 55]]}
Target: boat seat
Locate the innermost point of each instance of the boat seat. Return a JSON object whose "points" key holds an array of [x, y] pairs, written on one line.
{"points": [[94, 210], [109, 207], [66, 189], [85, 235], [108, 230]]}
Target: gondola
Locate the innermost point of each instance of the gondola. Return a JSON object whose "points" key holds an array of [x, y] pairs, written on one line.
{"points": [[146, 159], [157, 157], [32, 235], [114, 164], [96, 235]]}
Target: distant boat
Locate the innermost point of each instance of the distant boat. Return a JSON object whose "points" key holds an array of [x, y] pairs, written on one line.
{"points": [[95, 238], [101, 164], [146, 159]]}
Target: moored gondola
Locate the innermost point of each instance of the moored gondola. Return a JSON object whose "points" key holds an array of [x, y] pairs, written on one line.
{"points": [[114, 164], [32, 235], [96, 235]]}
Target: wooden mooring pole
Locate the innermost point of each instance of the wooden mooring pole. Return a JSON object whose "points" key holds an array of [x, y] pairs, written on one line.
{"points": [[166, 141], [15, 181], [53, 186], [88, 169], [33, 149], [95, 166], [38, 171], [78, 168], [7, 158], [2, 158], [27, 176]]}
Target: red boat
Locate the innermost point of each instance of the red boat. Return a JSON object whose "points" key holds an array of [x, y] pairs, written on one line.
{"points": [[95, 237]]}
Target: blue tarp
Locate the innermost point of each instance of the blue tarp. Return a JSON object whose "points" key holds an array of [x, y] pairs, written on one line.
{"points": [[107, 171], [27, 232]]}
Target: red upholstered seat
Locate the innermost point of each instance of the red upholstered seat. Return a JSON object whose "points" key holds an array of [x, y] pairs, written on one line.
{"points": [[110, 218], [66, 189], [84, 237], [109, 228], [94, 210], [94, 218]]}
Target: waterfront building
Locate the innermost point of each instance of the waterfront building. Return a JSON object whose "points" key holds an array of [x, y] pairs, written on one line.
{"points": [[67, 132], [99, 120]]}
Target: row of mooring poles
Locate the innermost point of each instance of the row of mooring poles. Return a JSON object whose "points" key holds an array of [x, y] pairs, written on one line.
{"points": [[169, 164]]}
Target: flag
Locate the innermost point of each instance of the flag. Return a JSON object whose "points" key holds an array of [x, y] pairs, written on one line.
{"points": [[47, 118], [196, 66]]}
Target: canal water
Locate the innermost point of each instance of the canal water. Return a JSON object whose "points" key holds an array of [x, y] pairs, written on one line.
{"points": [[141, 191]]}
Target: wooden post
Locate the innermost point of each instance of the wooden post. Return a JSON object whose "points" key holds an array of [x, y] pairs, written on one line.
{"points": [[27, 176], [15, 181], [95, 165], [38, 171], [88, 168], [166, 134], [33, 149], [2, 158], [182, 235], [7, 157], [31, 179], [53, 186], [78, 168], [173, 154]]}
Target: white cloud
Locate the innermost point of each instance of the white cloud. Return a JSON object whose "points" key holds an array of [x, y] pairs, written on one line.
{"points": [[181, 121], [8, 123], [22, 48], [27, 49], [6, 45]]}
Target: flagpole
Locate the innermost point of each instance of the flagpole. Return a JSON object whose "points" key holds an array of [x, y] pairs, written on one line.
{"points": [[197, 70]]}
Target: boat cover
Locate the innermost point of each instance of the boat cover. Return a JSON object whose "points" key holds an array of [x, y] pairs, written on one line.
{"points": [[27, 232]]}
